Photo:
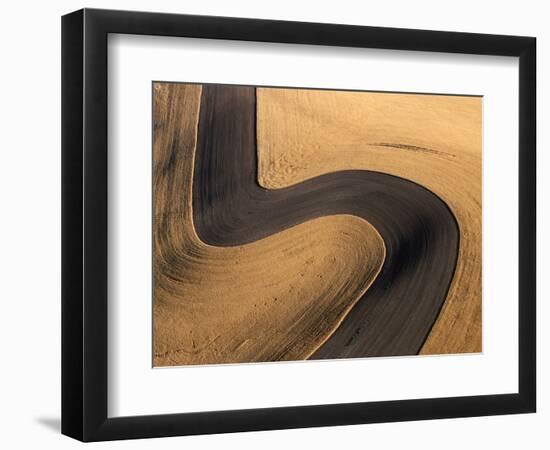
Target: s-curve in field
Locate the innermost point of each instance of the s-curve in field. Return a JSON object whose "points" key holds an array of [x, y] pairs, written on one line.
{"points": [[294, 224]]}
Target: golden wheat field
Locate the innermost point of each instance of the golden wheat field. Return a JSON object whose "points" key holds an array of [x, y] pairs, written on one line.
{"points": [[294, 224]]}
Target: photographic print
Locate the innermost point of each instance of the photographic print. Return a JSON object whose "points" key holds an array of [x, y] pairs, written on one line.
{"points": [[302, 224], [323, 213]]}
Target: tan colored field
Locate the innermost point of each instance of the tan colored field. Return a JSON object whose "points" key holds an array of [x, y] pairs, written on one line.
{"points": [[432, 140], [277, 298]]}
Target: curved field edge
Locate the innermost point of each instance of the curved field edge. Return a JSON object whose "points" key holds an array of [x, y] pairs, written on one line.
{"points": [[203, 312], [432, 140]]}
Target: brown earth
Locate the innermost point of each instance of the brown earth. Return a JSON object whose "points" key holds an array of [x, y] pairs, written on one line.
{"points": [[232, 304], [432, 140]]}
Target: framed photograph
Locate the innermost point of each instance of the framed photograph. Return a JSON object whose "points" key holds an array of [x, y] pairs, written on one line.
{"points": [[273, 224]]}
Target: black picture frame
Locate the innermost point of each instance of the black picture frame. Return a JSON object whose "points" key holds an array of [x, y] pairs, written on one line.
{"points": [[84, 224]]}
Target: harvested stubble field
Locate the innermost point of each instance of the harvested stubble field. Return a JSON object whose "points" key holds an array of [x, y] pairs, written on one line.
{"points": [[292, 224]]}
